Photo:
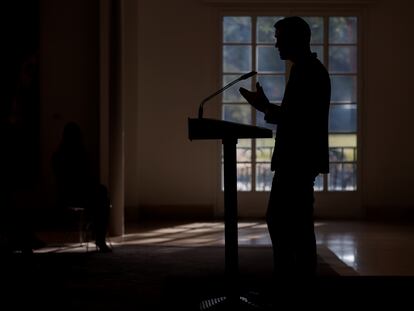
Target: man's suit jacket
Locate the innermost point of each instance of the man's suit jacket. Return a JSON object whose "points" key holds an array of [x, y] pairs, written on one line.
{"points": [[302, 120]]}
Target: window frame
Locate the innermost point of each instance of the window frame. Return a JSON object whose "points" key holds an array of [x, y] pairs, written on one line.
{"points": [[348, 202]]}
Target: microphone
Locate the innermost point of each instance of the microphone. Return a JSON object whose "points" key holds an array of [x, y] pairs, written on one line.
{"points": [[243, 77]]}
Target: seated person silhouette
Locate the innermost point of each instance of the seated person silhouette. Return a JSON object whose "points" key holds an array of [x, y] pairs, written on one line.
{"points": [[76, 185]]}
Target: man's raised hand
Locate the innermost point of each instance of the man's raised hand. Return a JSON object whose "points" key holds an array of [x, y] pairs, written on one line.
{"points": [[257, 99]]}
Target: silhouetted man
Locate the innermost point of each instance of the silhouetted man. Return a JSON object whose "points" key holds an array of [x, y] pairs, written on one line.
{"points": [[300, 152]]}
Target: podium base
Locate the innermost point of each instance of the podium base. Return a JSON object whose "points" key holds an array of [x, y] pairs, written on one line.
{"points": [[223, 303]]}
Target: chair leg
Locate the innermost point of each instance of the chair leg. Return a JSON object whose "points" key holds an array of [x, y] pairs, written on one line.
{"points": [[79, 212]]}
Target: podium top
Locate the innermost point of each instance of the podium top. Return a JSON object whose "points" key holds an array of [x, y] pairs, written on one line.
{"points": [[201, 128]]}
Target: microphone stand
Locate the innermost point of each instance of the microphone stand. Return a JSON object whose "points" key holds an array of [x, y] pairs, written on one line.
{"points": [[243, 77]]}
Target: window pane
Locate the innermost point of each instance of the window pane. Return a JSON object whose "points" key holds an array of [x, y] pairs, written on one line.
{"points": [[264, 177], [237, 58], [343, 89], [264, 149], [316, 26], [318, 186], [266, 29], [232, 94], [244, 177], [335, 154], [342, 118], [342, 59], [273, 86], [268, 60], [342, 154], [244, 150], [260, 121], [350, 154], [318, 49], [342, 177], [342, 30], [237, 29], [342, 140], [237, 113]]}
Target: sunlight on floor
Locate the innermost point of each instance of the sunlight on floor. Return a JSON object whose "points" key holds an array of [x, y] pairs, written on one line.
{"points": [[368, 248], [196, 234], [199, 234]]}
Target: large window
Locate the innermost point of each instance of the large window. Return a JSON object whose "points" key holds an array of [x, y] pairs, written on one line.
{"points": [[248, 44]]}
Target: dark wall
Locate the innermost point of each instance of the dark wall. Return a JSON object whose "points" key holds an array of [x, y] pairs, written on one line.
{"points": [[19, 119], [50, 76], [69, 80], [19, 99]]}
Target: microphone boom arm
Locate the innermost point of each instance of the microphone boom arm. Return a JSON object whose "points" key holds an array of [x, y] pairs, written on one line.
{"points": [[243, 77], [200, 109]]}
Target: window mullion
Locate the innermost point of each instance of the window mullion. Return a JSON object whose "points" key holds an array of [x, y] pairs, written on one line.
{"points": [[326, 62], [253, 114]]}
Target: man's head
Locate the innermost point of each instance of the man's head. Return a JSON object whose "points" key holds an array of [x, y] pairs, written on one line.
{"points": [[292, 37]]}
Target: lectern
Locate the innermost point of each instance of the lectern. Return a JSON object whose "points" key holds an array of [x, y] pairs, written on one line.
{"points": [[228, 133]]}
